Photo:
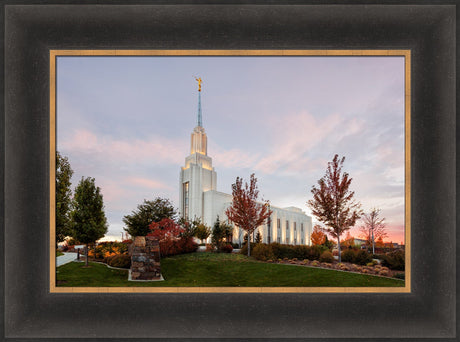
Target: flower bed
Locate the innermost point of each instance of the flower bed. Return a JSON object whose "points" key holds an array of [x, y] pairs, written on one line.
{"points": [[377, 270]]}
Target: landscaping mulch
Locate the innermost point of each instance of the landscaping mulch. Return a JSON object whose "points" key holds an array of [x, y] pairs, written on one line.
{"points": [[343, 266]]}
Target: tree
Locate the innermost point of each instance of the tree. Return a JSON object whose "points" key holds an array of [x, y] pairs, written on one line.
{"points": [[63, 197], [137, 224], [379, 243], [328, 244], [221, 231], [173, 237], [349, 240], [317, 236], [333, 203], [189, 227], [89, 221], [374, 227], [202, 232], [258, 238], [245, 211], [165, 229]]}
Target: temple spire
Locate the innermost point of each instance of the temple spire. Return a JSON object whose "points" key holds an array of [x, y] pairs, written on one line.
{"points": [[199, 121], [199, 110]]}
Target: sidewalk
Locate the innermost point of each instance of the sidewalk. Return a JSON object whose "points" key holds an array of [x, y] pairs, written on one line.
{"points": [[66, 258]]}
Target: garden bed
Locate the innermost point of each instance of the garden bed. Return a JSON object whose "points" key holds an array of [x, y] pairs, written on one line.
{"points": [[344, 266]]}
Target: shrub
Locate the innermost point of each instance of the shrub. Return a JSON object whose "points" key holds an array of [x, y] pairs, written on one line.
{"points": [[263, 252], [362, 258], [300, 251], [394, 260], [282, 251], [120, 261], [177, 246], [400, 276], [315, 252], [348, 255], [228, 248], [326, 256], [244, 249], [209, 248], [314, 263]]}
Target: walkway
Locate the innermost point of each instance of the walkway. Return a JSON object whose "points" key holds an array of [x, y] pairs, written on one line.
{"points": [[66, 258]]}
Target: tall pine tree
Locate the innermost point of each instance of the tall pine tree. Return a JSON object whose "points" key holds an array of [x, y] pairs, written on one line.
{"points": [[89, 221], [63, 197]]}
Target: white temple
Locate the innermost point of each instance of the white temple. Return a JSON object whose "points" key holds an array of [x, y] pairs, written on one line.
{"points": [[199, 198]]}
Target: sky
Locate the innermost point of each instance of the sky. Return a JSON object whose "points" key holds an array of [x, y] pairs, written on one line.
{"points": [[127, 121]]}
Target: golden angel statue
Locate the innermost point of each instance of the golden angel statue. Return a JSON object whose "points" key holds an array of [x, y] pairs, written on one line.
{"points": [[199, 82]]}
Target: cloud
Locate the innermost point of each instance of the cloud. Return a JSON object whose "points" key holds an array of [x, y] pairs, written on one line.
{"points": [[156, 149], [232, 158], [147, 183]]}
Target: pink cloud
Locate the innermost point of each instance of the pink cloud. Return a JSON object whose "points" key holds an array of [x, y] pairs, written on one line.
{"points": [[232, 158], [155, 149], [294, 135], [147, 183]]}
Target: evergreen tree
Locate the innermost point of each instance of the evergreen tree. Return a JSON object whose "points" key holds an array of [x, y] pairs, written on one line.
{"points": [[220, 231], [258, 238], [63, 197], [328, 244], [89, 221], [202, 232], [137, 224]]}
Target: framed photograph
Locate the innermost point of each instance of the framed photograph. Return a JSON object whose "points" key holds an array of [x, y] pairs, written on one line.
{"points": [[89, 80], [272, 97]]}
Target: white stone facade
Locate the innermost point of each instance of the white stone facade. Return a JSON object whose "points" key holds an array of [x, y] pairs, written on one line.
{"points": [[199, 199]]}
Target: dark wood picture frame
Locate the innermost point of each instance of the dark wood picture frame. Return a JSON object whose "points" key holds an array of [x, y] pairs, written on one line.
{"points": [[31, 312]]}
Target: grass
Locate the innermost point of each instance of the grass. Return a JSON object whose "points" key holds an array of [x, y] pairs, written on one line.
{"points": [[214, 270], [59, 253]]}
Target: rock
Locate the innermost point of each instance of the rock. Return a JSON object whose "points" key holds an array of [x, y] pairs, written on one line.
{"points": [[139, 241], [145, 259]]}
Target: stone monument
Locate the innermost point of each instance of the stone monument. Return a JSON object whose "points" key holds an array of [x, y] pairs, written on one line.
{"points": [[145, 259]]}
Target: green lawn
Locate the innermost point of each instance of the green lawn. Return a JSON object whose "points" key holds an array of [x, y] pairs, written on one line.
{"points": [[211, 269], [59, 253]]}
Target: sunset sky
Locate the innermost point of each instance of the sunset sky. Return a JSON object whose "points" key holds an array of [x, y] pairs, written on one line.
{"points": [[126, 121]]}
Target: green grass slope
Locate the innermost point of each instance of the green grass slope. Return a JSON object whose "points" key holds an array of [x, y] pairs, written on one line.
{"points": [[215, 270]]}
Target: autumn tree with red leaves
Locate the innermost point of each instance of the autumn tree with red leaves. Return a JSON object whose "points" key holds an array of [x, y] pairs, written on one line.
{"points": [[333, 203], [318, 237], [165, 229], [173, 237], [245, 212], [374, 227]]}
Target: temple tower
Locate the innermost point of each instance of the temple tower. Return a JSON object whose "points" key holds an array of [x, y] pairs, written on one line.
{"points": [[198, 175]]}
